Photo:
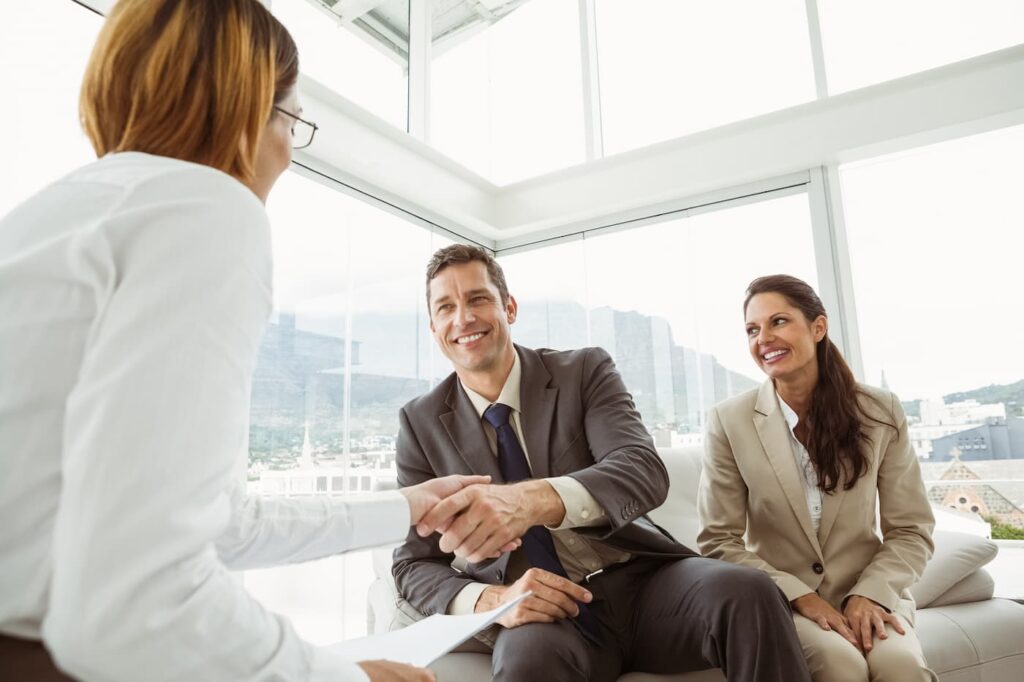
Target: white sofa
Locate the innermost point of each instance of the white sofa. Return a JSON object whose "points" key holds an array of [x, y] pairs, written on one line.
{"points": [[967, 635]]}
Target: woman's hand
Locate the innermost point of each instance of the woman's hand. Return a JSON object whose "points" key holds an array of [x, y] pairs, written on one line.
{"points": [[813, 607], [865, 616], [387, 671], [425, 496]]}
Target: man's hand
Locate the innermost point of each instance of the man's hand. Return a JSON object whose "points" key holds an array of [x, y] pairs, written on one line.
{"points": [[480, 520], [553, 598], [427, 495], [866, 617], [388, 671], [813, 607]]}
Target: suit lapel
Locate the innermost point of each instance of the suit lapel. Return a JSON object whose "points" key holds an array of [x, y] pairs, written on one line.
{"points": [[537, 407], [467, 434], [830, 505], [773, 432]]}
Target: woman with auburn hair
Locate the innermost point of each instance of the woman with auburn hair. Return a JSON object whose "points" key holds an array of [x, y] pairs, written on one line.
{"points": [[133, 295], [792, 471]]}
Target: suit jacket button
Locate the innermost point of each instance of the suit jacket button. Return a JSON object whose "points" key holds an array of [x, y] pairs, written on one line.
{"points": [[501, 576], [817, 568]]}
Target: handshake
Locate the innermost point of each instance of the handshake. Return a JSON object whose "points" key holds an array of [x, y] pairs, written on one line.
{"points": [[478, 521]]}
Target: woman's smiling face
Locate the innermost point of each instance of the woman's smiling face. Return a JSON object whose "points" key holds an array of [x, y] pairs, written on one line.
{"points": [[781, 340]]}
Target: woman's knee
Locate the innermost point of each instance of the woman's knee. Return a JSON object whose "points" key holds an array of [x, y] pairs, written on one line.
{"points": [[895, 663], [830, 658]]}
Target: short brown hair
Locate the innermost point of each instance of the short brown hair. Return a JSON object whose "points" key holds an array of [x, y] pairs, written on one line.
{"points": [[190, 79], [466, 253]]}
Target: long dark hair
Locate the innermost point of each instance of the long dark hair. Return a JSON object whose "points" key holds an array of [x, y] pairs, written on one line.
{"points": [[836, 433]]}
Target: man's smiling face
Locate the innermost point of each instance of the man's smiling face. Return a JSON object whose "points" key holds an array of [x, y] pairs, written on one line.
{"points": [[470, 323]]}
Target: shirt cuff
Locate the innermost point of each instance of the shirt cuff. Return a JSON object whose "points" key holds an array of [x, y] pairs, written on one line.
{"points": [[465, 601], [380, 518], [581, 509]]}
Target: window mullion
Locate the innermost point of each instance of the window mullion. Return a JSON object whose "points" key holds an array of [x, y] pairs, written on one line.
{"points": [[591, 81], [420, 39], [817, 49], [832, 254]]}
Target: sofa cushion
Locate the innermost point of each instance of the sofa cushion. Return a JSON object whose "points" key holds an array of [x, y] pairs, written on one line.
{"points": [[678, 515], [978, 586], [957, 555], [977, 641]]}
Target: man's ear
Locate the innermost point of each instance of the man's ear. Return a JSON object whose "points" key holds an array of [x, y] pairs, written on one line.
{"points": [[511, 309], [431, 322]]}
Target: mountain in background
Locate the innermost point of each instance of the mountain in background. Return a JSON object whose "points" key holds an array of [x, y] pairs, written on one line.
{"points": [[1011, 395], [299, 380]]}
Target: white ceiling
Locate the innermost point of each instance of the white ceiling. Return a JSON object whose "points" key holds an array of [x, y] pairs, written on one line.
{"points": [[364, 153]]}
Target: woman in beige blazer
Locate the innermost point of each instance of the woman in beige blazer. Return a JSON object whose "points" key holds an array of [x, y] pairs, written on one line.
{"points": [[792, 472]]}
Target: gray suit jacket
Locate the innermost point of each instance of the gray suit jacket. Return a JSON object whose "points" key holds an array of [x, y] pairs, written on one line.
{"points": [[578, 420]]}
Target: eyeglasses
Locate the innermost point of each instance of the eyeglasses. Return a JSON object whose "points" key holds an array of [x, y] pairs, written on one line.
{"points": [[302, 130]]}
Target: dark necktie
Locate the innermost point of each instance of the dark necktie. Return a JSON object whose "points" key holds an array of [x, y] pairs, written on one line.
{"points": [[537, 542]]}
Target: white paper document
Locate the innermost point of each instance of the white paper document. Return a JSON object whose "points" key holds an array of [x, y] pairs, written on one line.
{"points": [[425, 641]]}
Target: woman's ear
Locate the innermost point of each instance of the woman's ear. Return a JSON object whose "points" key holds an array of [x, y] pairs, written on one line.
{"points": [[819, 328]]}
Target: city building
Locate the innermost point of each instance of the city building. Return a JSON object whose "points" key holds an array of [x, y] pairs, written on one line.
{"points": [[960, 487]]}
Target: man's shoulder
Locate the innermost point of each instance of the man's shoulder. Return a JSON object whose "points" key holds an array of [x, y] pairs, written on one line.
{"points": [[559, 361], [429, 402]]}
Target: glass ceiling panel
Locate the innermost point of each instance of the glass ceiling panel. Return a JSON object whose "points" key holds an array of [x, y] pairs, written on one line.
{"points": [[507, 98], [349, 52], [870, 41], [671, 68]]}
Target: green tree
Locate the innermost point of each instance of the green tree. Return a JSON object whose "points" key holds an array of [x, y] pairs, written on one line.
{"points": [[1005, 531]]}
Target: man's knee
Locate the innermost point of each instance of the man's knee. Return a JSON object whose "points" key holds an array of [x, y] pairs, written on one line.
{"points": [[741, 585], [540, 651]]}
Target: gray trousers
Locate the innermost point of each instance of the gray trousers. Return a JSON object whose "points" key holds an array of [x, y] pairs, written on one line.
{"points": [[664, 616]]}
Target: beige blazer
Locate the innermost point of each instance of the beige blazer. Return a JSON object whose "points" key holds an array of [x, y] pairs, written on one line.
{"points": [[753, 510]]}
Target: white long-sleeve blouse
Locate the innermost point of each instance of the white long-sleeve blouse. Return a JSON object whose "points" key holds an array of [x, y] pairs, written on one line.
{"points": [[133, 296]]}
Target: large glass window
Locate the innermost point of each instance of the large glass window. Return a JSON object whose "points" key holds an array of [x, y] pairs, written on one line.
{"points": [[666, 301], [44, 47], [869, 41], [936, 236], [670, 68], [347, 347], [507, 97], [550, 286], [359, 51]]}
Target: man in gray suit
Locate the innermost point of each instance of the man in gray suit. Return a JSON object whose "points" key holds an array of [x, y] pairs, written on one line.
{"points": [[574, 474]]}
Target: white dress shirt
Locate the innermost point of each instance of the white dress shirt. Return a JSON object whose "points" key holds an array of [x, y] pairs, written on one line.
{"points": [[579, 555], [808, 476], [133, 295]]}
